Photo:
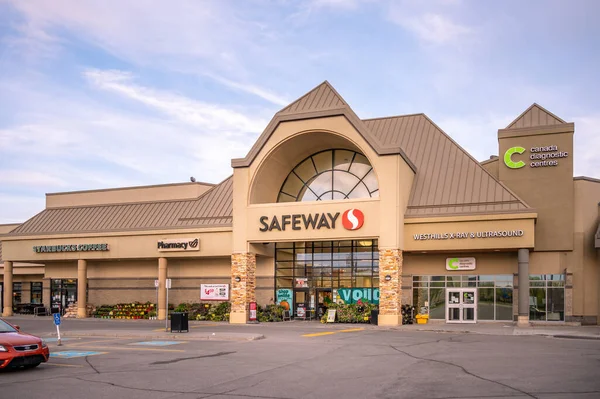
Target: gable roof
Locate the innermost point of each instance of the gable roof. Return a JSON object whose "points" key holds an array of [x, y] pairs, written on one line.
{"points": [[212, 209], [322, 97], [449, 180], [322, 101], [535, 115]]}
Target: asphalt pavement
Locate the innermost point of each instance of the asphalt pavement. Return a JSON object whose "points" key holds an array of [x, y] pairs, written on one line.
{"points": [[133, 359]]}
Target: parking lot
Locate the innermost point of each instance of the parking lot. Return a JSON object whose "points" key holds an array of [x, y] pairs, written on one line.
{"points": [[300, 360]]}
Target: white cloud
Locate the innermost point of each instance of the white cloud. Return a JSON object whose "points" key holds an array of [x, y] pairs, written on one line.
{"points": [[68, 141], [252, 89], [191, 112], [432, 22], [435, 28]]}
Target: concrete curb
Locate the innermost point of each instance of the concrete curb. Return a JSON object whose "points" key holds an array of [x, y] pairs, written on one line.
{"points": [[163, 336]]}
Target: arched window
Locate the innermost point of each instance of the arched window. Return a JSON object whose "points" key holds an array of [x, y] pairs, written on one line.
{"points": [[330, 175]]}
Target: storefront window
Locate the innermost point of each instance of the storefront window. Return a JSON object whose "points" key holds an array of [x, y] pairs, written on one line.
{"points": [[315, 273], [17, 293], [494, 301], [330, 175], [36, 292], [547, 297]]}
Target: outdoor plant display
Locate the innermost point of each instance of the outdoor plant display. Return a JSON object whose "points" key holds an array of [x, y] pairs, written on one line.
{"points": [[135, 310], [359, 312], [270, 313]]}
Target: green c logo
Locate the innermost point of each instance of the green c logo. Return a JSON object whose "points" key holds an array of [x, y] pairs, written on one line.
{"points": [[453, 263], [508, 157]]}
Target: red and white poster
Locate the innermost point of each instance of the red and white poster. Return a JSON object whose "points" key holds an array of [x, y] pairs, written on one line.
{"points": [[214, 292]]}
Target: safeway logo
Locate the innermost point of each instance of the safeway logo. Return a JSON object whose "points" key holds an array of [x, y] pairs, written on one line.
{"points": [[353, 219]]}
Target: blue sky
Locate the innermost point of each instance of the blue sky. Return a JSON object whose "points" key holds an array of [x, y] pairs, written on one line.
{"points": [[96, 95]]}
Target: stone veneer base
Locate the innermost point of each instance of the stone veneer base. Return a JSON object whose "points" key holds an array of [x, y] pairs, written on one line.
{"points": [[389, 320], [238, 318]]}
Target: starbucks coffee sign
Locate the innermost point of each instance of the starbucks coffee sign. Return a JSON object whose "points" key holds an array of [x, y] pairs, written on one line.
{"points": [[70, 248]]}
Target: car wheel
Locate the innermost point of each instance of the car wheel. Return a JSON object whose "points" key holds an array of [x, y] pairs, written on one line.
{"points": [[31, 366]]}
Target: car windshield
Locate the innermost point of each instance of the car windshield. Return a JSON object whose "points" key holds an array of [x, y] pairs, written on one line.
{"points": [[6, 328]]}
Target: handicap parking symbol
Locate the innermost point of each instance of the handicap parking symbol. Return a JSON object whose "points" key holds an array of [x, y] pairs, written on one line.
{"points": [[157, 343]]}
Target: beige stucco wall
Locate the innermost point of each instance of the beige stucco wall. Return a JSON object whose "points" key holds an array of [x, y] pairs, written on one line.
{"points": [[163, 192], [7, 228], [435, 264], [549, 190], [131, 245], [523, 222], [290, 143], [586, 262], [491, 167]]}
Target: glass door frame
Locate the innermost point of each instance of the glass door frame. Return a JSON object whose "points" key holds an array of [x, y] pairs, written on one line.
{"points": [[62, 292], [461, 305]]}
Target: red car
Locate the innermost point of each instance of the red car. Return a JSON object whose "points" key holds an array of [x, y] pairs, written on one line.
{"points": [[18, 349]]}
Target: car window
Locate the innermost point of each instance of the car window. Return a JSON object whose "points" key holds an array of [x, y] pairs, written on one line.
{"points": [[5, 327]]}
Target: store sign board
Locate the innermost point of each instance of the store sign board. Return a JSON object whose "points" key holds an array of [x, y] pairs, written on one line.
{"points": [[460, 264], [70, 248], [178, 244], [352, 219], [214, 292], [284, 298], [467, 235], [302, 282], [353, 295], [539, 156]]}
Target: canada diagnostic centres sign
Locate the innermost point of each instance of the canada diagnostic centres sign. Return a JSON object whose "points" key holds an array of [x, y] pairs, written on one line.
{"points": [[539, 156]]}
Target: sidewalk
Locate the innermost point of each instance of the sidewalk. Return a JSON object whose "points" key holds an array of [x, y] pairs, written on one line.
{"points": [[508, 328], [223, 331]]}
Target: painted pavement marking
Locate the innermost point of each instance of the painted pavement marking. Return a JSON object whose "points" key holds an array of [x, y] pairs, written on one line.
{"points": [[54, 339], [158, 343], [333, 332], [74, 354], [61, 365], [127, 348]]}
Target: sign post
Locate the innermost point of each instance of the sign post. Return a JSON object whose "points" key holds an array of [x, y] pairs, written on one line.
{"points": [[168, 285], [57, 324], [252, 317], [156, 284]]}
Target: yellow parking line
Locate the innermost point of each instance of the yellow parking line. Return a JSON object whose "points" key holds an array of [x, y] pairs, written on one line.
{"points": [[319, 334], [333, 332], [352, 330]]}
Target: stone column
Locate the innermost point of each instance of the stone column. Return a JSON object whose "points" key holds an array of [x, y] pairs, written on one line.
{"points": [[243, 268], [390, 287], [523, 318], [569, 297], [81, 289], [162, 288], [8, 289], [46, 297]]}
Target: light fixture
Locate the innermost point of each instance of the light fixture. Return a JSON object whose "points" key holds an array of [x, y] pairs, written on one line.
{"points": [[388, 277], [237, 279]]}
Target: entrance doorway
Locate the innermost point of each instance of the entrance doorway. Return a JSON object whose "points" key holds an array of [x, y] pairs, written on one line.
{"points": [[63, 293], [461, 305]]}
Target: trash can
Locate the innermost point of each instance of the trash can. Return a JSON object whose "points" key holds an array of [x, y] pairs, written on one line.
{"points": [[179, 322], [374, 316]]}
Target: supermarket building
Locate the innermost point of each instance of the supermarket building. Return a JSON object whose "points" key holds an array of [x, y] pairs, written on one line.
{"points": [[326, 206]]}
